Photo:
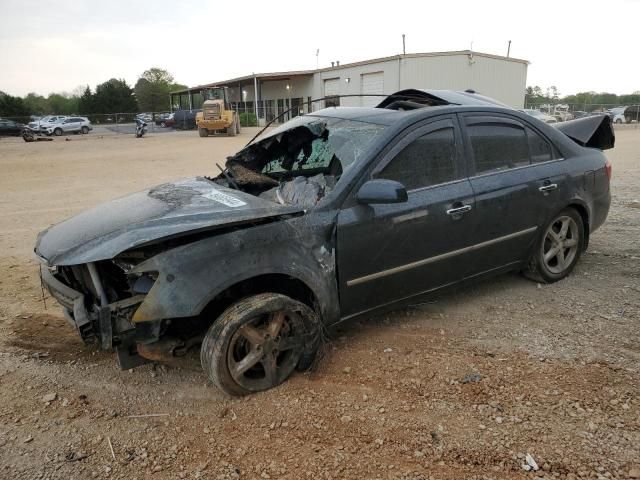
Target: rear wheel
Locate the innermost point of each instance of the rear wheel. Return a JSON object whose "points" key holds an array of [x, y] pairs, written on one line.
{"points": [[84, 130], [203, 132], [558, 248], [57, 132], [256, 343]]}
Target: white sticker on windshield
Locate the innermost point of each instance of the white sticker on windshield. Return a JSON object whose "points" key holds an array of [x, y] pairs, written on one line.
{"points": [[223, 198]]}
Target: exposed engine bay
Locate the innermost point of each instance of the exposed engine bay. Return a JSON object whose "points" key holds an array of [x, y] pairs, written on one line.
{"points": [[299, 165]]}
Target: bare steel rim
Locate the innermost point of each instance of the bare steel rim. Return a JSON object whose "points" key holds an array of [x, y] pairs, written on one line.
{"points": [[264, 351], [560, 245]]}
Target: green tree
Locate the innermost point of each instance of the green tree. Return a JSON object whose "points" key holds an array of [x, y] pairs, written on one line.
{"points": [[62, 104], [86, 102], [12, 106], [153, 88], [114, 96], [37, 104]]}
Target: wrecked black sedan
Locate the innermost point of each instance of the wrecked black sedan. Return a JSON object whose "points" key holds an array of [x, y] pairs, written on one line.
{"points": [[335, 214]]}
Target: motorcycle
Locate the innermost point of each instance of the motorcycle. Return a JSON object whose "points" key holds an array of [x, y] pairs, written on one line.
{"points": [[141, 128]]}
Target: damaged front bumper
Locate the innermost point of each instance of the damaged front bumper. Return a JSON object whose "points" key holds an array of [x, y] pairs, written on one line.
{"points": [[72, 302], [107, 325]]}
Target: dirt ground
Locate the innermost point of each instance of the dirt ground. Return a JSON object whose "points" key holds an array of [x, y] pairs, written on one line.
{"points": [[464, 387]]}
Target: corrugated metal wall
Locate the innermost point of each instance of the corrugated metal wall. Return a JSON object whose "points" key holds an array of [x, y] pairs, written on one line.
{"points": [[504, 80], [350, 80], [500, 79]]}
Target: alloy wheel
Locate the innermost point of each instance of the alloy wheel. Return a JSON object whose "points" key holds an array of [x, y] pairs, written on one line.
{"points": [[560, 244], [264, 351]]}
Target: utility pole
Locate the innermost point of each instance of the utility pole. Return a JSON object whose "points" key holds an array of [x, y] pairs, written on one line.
{"points": [[404, 51], [317, 53], [509, 49]]}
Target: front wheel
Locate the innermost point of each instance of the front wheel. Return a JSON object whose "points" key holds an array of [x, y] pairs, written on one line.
{"points": [[203, 132], [232, 129], [558, 248], [57, 132], [257, 343]]}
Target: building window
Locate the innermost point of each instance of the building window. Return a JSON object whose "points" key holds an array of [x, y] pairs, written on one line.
{"points": [[332, 102], [269, 111]]}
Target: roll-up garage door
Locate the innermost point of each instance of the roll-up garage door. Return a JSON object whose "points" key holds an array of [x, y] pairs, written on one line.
{"points": [[372, 84], [331, 88]]}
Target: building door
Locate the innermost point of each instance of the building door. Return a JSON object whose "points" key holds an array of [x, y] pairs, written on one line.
{"points": [[296, 105], [331, 89], [371, 84], [281, 110]]}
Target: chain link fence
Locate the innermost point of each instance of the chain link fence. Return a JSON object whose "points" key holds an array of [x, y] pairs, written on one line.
{"points": [[112, 123], [282, 110], [162, 122], [620, 114]]}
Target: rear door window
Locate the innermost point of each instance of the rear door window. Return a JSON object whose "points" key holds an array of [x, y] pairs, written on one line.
{"points": [[498, 145], [540, 149]]}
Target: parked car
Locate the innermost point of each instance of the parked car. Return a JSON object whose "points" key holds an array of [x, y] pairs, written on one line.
{"points": [[334, 215], [580, 114], [165, 120], [184, 119], [540, 115], [145, 117], [69, 125], [45, 122], [616, 114], [10, 127], [563, 116], [632, 113]]}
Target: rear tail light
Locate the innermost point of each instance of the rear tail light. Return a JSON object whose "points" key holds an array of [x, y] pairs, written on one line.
{"points": [[607, 168]]}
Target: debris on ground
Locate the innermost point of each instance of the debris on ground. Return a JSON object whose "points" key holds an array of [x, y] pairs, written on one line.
{"points": [[530, 464], [471, 378], [49, 397]]}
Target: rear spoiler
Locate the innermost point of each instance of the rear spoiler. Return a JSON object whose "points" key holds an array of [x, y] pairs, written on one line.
{"points": [[595, 131]]}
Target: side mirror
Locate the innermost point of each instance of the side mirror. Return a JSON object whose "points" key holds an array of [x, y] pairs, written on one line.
{"points": [[382, 191]]}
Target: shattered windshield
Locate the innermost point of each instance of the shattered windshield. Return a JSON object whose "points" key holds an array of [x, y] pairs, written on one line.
{"points": [[301, 161]]}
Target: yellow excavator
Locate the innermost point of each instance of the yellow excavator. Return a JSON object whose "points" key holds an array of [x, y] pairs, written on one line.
{"points": [[216, 113]]}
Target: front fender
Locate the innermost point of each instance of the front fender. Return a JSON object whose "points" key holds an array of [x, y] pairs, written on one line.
{"points": [[190, 276]]}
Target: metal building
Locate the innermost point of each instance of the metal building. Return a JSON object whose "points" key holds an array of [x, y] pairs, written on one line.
{"points": [[502, 78]]}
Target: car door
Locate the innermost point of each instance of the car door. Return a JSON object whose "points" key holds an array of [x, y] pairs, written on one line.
{"points": [[396, 251], [14, 127], [514, 179], [70, 125]]}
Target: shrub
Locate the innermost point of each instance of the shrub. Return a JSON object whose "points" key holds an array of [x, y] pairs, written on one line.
{"points": [[248, 119]]}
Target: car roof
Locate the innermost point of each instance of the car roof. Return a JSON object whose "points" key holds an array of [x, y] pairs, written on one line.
{"points": [[407, 103], [386, 117]]}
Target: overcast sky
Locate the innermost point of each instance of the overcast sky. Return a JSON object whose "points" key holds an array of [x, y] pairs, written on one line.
{"points": [[577, 46]]}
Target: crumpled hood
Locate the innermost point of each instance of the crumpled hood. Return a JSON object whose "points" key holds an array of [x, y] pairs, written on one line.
{"points": [[168, 210]]}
